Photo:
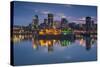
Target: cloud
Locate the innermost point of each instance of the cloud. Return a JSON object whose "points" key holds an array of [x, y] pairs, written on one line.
{"points": [[45, 12], [60, 15], [36, 11], [94, 18], [42, 11], [79, 20], [83, 20], [56, 14]]}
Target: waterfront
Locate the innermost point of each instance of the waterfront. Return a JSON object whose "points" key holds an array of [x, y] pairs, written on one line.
{"points": [[48, 43], [43, 33], [44, 51]]}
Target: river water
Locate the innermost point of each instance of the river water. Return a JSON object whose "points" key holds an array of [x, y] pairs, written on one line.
{"points": [[32, 51]]}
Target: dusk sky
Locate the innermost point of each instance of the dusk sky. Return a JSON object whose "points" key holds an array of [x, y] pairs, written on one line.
{"points": [[25, 11]]}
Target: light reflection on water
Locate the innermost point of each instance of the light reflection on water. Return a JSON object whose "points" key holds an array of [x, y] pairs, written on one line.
{"points": [[41, 51]]}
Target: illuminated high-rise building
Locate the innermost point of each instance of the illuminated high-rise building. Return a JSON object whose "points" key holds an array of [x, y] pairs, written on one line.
{"points": [[50, 20], [63, 22], [92, 25], [46, 21], [88, 23], [35, 22], [35, 19]]}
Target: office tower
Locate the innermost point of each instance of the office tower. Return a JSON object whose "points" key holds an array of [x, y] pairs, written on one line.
{"points": [[50, 20], [35, 19], [46, 21], [63, 23], [88, 23], [92, 24], [35, 22]]}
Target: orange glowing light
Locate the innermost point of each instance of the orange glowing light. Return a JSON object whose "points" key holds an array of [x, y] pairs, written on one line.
{"points": [[49, 42], [45, 42], [82, 42], [42, 42], [50, 32]]}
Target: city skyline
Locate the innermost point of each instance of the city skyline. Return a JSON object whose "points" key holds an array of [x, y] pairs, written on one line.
{"points": [[25, 11], [44, 33]]}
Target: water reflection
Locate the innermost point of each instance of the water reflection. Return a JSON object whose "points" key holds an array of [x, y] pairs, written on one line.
{"points": [[30, 50], [89, 42], [85, 41]]}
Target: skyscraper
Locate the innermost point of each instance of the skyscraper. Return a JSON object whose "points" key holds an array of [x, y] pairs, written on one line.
{"points": [[50, 20], [35, 22], [92, 25], [88, 23], [63, 22], [35, 19], [46, 21]]}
